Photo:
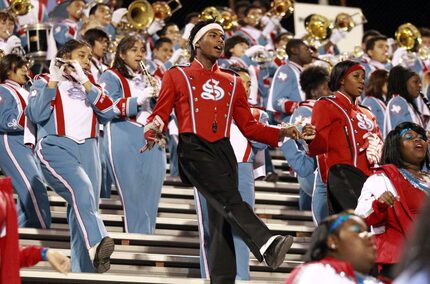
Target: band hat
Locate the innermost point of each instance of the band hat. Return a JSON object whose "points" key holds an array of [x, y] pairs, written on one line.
{"points": [[204, 30]]}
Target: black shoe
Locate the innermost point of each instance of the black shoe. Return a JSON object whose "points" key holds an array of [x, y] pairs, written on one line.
{"points": [[275, 253], [102, 258], [272, 177]]}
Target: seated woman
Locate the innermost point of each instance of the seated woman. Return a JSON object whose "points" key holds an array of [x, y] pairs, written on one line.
{"points": [[392, 198], [413, 267], [341, 251]]}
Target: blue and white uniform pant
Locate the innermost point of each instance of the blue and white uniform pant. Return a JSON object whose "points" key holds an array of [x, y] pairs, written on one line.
{"points": [[138, 177], [319, 199], [18, 162], [73, 171], [246, 189]]}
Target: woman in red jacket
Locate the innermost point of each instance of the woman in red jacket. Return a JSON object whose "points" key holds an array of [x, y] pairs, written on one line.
{"points": [[10, 261], [392, 198]]}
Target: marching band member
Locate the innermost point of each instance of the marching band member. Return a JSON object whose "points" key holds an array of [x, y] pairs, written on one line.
{"points": [[99, 42], [162, 55], [17, 160], [101, 14], [376, 95], [67, 106], [256, 27], [68, 28], [140, 191], [285, 92], [358, 141], [377, 50], [206, 99], [245, 152], [314, 82], [9, 43], [404, 88]]}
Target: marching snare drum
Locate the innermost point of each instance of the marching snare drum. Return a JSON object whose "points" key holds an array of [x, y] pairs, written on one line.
{"points": [[37, 39]]}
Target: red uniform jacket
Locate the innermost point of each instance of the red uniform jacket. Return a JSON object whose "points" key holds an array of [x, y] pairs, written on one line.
{"points": [[12, 257], [397, 220], [206, 101], [341, 267], [340, 126]]}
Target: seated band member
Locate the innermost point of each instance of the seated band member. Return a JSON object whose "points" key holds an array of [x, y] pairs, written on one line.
{"points": [[67, 106]]}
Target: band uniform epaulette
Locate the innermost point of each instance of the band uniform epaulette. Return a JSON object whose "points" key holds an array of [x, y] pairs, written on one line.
{"points": [[180, 65], [366, 107], [327, 97]]}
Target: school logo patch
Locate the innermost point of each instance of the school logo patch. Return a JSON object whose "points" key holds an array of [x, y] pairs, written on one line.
{"points": [[211, 91], [282, 76], [364, 122], [76, 93]]}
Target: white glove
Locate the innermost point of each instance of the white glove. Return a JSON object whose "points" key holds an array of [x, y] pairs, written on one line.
{"points": [[187, 30], [255, 49], [55, 72], [153, 133], [11, 43], [337, 35], [145, 96], [276, 20], [155, 26], [78, 74], [176, 55], [264, 20], [374, 148]]}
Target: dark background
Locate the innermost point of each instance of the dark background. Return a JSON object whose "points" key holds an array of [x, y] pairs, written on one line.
{"points": [[382, 15]]}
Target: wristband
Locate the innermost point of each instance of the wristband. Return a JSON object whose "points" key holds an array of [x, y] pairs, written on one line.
{"points": [[43, 253]]}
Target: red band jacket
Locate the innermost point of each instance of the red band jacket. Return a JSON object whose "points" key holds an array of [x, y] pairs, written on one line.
{"points": [[340, 127], [206, 101]]}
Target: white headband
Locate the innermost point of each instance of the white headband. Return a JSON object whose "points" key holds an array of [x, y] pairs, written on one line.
{"points": [[205, 29]]}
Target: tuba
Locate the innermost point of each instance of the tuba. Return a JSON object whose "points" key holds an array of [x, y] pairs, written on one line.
{"points": [[319, 29], [20, 7], [408, 36], [223, 15], [210, 13], [345, 22], [140, 14]]}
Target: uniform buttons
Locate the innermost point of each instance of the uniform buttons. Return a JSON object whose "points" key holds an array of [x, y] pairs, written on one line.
{"points": [[228, 104], [214, 108], [229, 93], [352, 119], [193, 88], [197, 110], [231, 83], [191, 77], [225, 115], [355, 131], [358, 144], [196, 99]]}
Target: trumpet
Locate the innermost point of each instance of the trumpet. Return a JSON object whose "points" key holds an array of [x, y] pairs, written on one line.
{"points": [[345, 22], [151, 80], [283, 8]]}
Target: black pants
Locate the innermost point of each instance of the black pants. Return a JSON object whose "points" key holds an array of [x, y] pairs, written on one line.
{"points": [[212, 169]]}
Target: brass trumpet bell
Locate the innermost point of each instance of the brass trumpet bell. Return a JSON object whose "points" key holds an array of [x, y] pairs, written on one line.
{"points": [[229, 19], [20, 7], [140, 14], [283, 8], [163, 9], [345, 22], [408, 36]]}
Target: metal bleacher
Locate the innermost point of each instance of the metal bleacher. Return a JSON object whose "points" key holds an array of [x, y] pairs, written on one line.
{"points": [[171, 255]]}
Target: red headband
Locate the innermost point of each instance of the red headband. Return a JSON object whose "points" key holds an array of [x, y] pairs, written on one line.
{"points": [[351, 69]]}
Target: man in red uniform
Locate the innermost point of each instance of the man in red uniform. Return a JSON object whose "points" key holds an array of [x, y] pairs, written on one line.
{"points": [[206, 99]]}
